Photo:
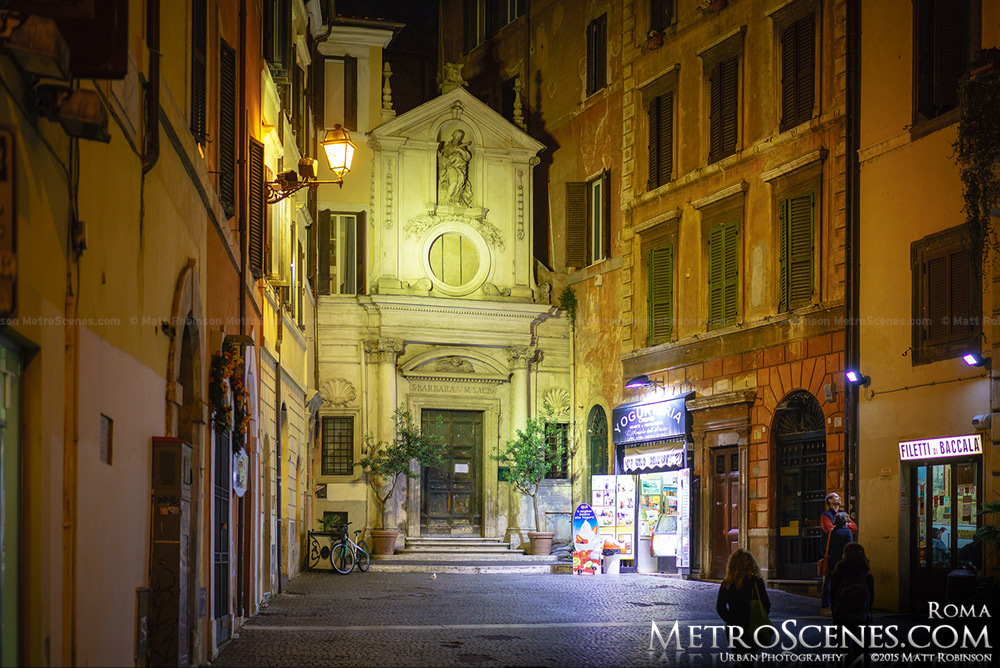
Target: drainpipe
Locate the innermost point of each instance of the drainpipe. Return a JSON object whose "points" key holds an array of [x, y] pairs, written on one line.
{"points": [[277, 405], [152, 149], [852, 250], [241, 166]]}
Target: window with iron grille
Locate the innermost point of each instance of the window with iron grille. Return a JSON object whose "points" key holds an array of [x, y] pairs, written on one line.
{"points": [[597, 433], [945, 37], [558, 461], [107, 439], [798, 67], [947, 305], [597, 54], [338, 445]]}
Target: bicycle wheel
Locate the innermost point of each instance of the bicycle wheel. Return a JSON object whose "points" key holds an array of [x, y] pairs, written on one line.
{"points": [[364, 556], [342, 559]]}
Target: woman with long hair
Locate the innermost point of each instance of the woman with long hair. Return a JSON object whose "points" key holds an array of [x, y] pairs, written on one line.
{"points": [[852, 587], [742, 584]]}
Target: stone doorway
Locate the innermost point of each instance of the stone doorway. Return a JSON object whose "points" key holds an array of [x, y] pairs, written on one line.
{"points": [[451, 493]]}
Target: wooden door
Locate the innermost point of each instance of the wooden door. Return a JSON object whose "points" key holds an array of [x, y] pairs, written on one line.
{"points": [[450, 494], [725, 529]]}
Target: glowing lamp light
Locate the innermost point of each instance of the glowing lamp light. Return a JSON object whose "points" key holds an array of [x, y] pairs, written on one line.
{"points": [[857, 378], [339, 150], [975, 359]]}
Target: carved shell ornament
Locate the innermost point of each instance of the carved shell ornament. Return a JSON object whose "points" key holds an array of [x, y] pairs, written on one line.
{"points": [[338, 392], [556, 399]]}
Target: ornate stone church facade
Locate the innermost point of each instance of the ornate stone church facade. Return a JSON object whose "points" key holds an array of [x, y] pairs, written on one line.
{"points": [[446, 319]]}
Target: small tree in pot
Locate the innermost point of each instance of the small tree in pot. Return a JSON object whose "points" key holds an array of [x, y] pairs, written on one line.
{"points": [[529, 457], [385, 461]]}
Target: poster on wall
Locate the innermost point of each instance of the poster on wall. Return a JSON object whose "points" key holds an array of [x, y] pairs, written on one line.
{"points": [[586, 541], [613, 499], [684, 518]]}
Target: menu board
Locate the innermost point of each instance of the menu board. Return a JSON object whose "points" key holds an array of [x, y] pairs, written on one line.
{"points": [[614, 506], [587, 543], [684, 518]]}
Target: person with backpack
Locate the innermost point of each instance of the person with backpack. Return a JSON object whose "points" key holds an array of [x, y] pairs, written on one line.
{"points": [[742, 586], [853, 592], [826, 523]]}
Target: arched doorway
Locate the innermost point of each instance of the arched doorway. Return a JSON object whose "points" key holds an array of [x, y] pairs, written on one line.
{"points": [[597, 440], [800, 453]]}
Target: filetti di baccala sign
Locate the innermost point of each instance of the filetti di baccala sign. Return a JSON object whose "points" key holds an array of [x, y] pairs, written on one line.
{"points": [[937, 448], [638, 423]]}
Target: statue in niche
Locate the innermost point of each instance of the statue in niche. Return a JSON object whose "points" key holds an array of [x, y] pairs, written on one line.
{"points": [[454, 156]]}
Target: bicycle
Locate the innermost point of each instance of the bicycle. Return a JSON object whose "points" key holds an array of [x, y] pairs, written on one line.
{"points": [[347, 553]]}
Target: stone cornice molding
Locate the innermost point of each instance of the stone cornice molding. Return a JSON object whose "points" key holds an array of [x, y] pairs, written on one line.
{"points": [[521, 357], [723, 399], [383, 350]]}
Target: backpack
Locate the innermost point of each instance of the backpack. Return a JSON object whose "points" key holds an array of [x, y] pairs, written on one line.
{"points": [[852, 602]]}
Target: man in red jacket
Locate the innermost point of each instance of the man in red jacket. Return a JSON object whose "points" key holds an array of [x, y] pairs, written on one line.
{"points": [[826, 523]]}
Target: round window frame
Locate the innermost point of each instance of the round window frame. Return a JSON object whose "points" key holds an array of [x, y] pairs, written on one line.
{"points": [[485, 258]]}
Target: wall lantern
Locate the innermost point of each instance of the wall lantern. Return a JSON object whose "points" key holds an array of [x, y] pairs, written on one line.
{"points": [[80, 112], [643, 381], [339, 150], [975, 359], [36, 44], [857, 378]]}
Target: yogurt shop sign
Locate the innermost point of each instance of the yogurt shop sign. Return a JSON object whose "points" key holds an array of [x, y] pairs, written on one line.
{"points": [[938, 448], [637, 423]]}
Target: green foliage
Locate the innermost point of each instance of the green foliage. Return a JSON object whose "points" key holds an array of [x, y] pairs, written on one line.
{"points": [[526, 457], [978, 150], [327, 522], [568, 303], [384, 461], [988, 535]]}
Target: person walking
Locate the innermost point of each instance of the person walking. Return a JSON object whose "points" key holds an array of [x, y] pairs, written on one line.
{"points": [[742, 584], [826, 523], [852, 590]]}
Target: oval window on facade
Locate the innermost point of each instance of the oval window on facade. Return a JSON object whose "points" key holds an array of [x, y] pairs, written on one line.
{"points": [[454, 259]]}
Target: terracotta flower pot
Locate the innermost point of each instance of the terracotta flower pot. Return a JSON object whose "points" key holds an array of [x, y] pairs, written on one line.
{"points": [[541, 542], [384, 541]]}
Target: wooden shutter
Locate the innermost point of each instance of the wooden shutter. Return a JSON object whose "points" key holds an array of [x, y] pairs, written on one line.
{"points": [[730, 106], [601, 76], [936, 291], [801, 216], [317, 86], [606, 214], [350, 93], [576, 224], [324, 252], [199, 36], [267, 29], [255, 208], [660, 291], [591, 57], [951, 49], [654, 144], [715, 114], [227, 128], [359, 254], [268, 246], [788, 78], [666, 138], [731, 289], [661, 14], [723, 274], [805, 59], [960, 298]]}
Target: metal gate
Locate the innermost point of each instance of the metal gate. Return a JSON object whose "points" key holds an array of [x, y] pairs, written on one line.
{"points": [[220, 536]]}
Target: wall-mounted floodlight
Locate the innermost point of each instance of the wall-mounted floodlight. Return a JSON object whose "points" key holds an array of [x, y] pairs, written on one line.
{"points": [[643, 381], [975, 359], [856, 378]]}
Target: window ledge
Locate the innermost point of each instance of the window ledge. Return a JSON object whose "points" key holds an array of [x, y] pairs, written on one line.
{"points": [[924, 127]]}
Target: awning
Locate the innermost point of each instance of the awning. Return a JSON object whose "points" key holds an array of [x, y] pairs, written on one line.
{"points": [[654, 457]]}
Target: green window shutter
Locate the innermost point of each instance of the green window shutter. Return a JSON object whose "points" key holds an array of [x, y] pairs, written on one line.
{"points": [[654, 148], [801, 221], [576, 224], [783, 256], [716, 275], [660, 293], [731, 289]]}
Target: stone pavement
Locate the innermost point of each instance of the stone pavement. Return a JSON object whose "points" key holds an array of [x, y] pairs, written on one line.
{"points": [[410, 619]]}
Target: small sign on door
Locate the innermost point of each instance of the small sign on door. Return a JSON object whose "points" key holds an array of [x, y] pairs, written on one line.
{"points": [[461, 468]]}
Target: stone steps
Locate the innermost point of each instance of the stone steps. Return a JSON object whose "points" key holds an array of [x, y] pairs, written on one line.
{"points": [[465, 554], [483, 567]]}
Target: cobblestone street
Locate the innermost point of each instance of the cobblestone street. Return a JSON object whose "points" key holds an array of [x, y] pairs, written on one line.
{"points": [[409, 619]]}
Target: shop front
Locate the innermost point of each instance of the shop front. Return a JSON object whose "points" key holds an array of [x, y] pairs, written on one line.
{"points": [[652, 511], [945, 477]]}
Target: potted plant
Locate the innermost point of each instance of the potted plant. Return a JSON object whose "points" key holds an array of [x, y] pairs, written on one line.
{"points": [[385, 461], [528, 460], [327, 523]]}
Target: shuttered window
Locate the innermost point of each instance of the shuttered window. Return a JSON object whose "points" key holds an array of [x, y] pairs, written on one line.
{"points": [[947, 302], [256, 208], [723, 274], [661, 139], [268, 246], [798, 67], [661, 14], [227, 128], [597, 54], [723, 108], [199, 37], [576, 224], [943, 48], [660, 293], [796, 231]]}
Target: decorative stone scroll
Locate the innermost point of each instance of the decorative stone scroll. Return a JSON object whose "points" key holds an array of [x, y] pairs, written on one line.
{"points": [[420, 224], [454, 364]]}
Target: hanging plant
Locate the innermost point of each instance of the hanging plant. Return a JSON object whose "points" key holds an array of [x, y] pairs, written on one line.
{"points": [[568, 303], [978, 150], [227, 374]]}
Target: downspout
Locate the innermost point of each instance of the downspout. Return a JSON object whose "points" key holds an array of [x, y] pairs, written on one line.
{"points": [[852, 334], [277, 405], [241, 164]]}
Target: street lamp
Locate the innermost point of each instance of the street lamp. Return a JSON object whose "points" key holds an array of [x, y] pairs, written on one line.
{"points": [[643, 381], [339, 150]]}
